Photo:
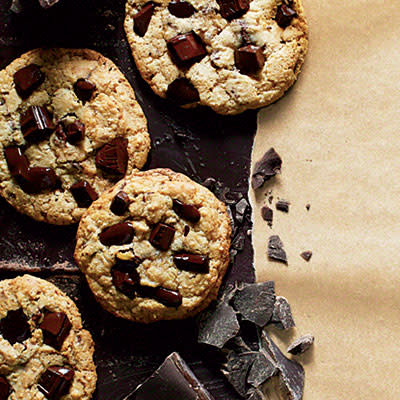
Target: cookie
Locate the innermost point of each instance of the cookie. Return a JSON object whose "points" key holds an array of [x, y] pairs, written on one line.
{"points": [[154, 247], [44, 352], [230, 55], [70, 128]]}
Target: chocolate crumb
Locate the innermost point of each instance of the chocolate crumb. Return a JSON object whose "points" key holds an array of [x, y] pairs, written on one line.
{"points": [[282, 315], [275, 249], [306, 255], [266, 168], [300, 345], [267, 215], [282, 205], [308, 206]]}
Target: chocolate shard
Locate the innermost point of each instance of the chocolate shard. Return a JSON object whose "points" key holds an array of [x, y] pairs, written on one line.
{"points": [[266, 168], [181, 8], [113, 156], [218, 325], [120, 203], [282, 315], [231, 9], [306, 255], [282, 205], [275, 249], [28, 79], [36, 124], [117, 235], [125, 279], [83, 193], [284, 15], [186, 211], [301, 345], [240, 209], [249, 59], [262, 369], [84, 89], [181, 91], [186, 49], [141, 20], [255, 302], [173, 380], [16, 160], [4, 388], [56, 327], [255, 394], [14, 327], [267, 215], [192, 262], [162, 236], [55, 382], [186, 230], [37, 179]]}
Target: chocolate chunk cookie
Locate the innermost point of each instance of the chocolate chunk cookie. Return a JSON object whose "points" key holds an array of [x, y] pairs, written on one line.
{"points": [[70, 128], [154, 247], [44, 352], [230, 55]]}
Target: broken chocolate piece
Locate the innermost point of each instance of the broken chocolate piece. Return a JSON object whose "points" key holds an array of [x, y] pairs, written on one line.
{"points": [[186, 49], [282, 316], [173, 380], [16, 160], [83, 193], [4, 388], [231, 9], [56, 327], [125, 279], [269, 165], [255, 395], [262, 369], [284, 15], [267, 215], [186, 211], [55, 382], [255, 302], [168, 297], [181, 8], [28, 79], [306, 255], [186, 230], [282, 205], [249, 59], [84, 89], [181, 91], [37, 179], [161, 236], [14, 327], [192, 262], [120, 203], [275, 249], [141, 20], [75, 132], [36, 123], [117, 235], [300, 345], [113, 156]]}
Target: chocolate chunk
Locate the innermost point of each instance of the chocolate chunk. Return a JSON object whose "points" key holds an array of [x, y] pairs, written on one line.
{"points": [[255, 395], [249, 59], [15, 327], [284, 15], [125, 277], [269, 165], [117, 235], [55, 382], [141, 20], [282, 205], [267, 215], [238, 241], [83, 193], [306, 255], [161, 236], [181, 91], [300, 345], [173, 380], [262, 369], [75, 132], [16, 160], [84, 89], [282, 316], [36, 123], [255, 302], [275, 249], [168, 297], [217, 325], [186, 211], [186, 230], [56, 327], [231, 9], [4, 388], [28, 79], [186, 49], [181, 8], [240, 208], [120, 203], [113, 157], [192, 262], [37, 179]]}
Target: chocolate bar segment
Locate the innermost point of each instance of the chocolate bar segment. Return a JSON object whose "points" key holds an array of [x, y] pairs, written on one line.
{"points": [[56, 382], [56, 327], [113, 156], [284, 15], [186, 49], [162, 236], [186, 211], [249, 59], [36, 123], [231, 9], [28, 79], [16, 160], [142, 19], [192, 262]]}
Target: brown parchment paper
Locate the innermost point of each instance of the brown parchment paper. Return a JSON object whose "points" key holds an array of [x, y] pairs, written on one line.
{"points": [[338, 132]]}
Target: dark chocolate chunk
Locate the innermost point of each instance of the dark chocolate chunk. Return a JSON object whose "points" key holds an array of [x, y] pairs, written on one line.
{"points": [[15, 327], [241, 207], [192, 262], [37, 179], [249, 59], [269, 165], [263, 368], [84, 89], [306, 255], [186, 49], [83, 193], [284, 15], [300, 345], [186, 230], [255, 302], [28, 79], [141, 20], [168, 297], [161, 236], [36, 123], [55, 382], [275, 249], [238, 241], [120, 203], [173, 380], [282, 205], [117, 235], [16, 160], [113, 157], [186, 211], [181, 8], [181, 91], [4, 388], [282, 316], [231, 9], [75, 132], [56, 327], [267, 214], [125, 279]]}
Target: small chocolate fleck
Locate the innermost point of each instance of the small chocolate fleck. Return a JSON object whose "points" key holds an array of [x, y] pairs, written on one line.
{"points": [[192, 262], [267, 167], [56, 327], [55, 382], [306, 255], [117, 235], [14, 327], [16, 160], [282, 205], [37, 179], [249, 59], [36, 123], [275, 249], [282, 316], [186, 230], [301, 345], [284, 15], [84, 89], [120, 203], [231, 9], [308, 206], [186, 49], [181, 8], [182, 91], [4, 388], [186, 211], [28, 79], [141, 20], [267, 215], [83, 193], [113, 156], [161, 236]]}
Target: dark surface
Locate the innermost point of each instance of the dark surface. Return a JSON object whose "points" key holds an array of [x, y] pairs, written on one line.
{"points": [[197, 142]]}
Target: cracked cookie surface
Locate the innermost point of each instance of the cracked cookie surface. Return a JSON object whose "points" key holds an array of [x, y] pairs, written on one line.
{"points": [[64, 115], [239, 54], [154, 247]]}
